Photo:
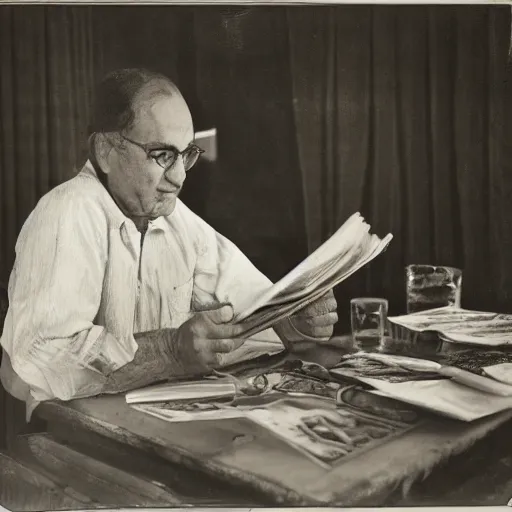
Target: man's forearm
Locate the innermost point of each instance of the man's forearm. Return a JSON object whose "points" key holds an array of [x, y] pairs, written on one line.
{"points": [[159, 357]]}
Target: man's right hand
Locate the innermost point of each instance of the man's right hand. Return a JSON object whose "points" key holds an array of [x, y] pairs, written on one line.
{"points": [[191, 350], [203, 338]]}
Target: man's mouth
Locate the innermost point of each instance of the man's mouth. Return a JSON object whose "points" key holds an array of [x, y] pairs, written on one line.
{"points": [[167, 192]]}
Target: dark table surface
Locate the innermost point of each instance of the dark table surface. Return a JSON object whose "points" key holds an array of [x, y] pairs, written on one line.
{"points": [[439, 462]]}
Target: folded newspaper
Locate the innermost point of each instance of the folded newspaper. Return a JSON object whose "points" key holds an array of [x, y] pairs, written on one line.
{"points": [[444, 388], [459, 325], [345, 252]]}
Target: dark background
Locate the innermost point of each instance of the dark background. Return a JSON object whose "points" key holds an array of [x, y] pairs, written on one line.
{"points": [[400, 112]]}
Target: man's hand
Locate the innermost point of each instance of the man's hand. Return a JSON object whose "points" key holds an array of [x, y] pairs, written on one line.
{"points": [[317, 320], [205, 336], [313, 324], [192, 349]]}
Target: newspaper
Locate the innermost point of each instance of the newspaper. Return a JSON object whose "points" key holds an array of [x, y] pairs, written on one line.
{"points": [[312, 425], [459, 325], [446, 390], [444, 397], [280, 418], [345, 252]]}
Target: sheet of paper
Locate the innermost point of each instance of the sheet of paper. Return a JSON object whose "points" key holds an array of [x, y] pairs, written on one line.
{"points": [[286, 422], [347, 237], [162, 412], [350, 248], [460, 325], [185, 391], [444, 397], [268, 316]]}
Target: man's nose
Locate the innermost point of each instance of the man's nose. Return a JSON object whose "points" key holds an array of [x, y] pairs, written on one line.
{"points": [[176, 173]]}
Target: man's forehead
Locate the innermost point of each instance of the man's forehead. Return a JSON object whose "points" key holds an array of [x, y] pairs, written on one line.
{"points": [[162, 115]]}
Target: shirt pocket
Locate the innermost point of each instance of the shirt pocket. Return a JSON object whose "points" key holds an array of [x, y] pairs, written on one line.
{"points": [[180, 300]]}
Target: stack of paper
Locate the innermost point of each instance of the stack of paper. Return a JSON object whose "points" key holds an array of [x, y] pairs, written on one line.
{"points": [[183, 391], [345, 252], [460, 325]]}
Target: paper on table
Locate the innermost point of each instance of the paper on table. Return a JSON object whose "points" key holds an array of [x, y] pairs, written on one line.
{"points": [[282, 419], [444, 396], [173, 416], [460, 325], [479, 382], [286, 422], [501, 372], [188, 390]]}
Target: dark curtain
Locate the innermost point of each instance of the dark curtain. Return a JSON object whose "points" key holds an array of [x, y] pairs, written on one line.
{"points": [[243, 82], [44, 101], [399, 114]]}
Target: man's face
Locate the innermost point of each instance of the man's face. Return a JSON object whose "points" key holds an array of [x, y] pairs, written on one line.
{"points": [[141, 187]]}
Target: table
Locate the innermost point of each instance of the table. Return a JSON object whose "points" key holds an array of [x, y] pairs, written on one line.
{"points": [[252, 467]]}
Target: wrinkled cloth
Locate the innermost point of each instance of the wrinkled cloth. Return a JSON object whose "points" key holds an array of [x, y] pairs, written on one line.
{"points": [[81, 287]]}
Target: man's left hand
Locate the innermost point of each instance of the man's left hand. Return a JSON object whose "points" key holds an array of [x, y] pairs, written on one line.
{"points": [[317, 320]]}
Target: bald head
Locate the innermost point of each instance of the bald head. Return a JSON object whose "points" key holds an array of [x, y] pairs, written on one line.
{"points": [[121, 93]]}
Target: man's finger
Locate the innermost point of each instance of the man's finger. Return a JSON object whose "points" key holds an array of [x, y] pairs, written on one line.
{"points": [[321, 306], [226, 331], [324, 333], [212, 359], [221, 346], [320, 320], [205, 328], [221, 315], [315, 331]]}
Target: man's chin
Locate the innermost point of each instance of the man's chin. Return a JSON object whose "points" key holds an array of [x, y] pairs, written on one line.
{"points": [[168, 207]]}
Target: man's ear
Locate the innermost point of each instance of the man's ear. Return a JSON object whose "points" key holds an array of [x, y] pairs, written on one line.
{"points": [[102, 149]]}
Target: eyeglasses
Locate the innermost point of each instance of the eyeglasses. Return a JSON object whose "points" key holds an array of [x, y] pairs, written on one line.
{"points": [[166, 156]]}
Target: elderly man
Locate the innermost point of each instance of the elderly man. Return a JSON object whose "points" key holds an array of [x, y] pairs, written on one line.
{"points": [[117, 284]]}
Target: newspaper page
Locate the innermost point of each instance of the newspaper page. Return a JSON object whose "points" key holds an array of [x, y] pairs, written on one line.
{"points": [[312, 425], [349, 249], [460, 325], [443, 397], [461, 392]]}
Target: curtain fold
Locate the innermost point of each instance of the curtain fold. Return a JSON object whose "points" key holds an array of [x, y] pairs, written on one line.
{"points": [[43, 107], [243, 82], [399, 113]]}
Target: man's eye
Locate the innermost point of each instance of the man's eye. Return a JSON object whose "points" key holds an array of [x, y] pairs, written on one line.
{"points": [[163, 157]]}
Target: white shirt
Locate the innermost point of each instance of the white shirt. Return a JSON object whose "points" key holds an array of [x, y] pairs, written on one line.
{"points": [[80, 288]]}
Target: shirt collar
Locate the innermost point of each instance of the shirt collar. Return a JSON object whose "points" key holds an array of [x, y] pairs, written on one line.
{"points": [[120, 218]]}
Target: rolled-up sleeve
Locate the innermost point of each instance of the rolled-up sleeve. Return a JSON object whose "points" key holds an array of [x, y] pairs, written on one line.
{"points": [[55, 291]]}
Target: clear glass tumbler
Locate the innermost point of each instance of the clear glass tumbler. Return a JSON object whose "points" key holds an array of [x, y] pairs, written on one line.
{"points": [[368, 317]]}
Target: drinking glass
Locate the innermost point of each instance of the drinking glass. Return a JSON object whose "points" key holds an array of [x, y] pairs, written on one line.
{"points": [[368, 317], [429, 287]]}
